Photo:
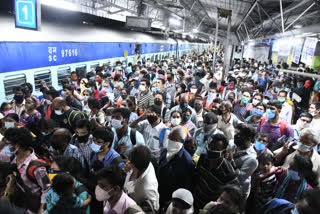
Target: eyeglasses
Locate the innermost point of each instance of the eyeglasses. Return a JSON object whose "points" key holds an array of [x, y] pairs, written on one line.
{"points": [[305, 121]]}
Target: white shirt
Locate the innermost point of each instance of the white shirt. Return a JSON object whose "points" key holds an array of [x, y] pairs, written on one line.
{"points": [[286, 112], [143, 188], [151, 137]]}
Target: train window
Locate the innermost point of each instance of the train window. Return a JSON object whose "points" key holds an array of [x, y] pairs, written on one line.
{"points": [[42, 75], [63, 73], [10, 82], [93, 66]]}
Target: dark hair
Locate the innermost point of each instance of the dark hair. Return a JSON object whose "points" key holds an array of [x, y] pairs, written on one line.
{"points": [[123, 111], [304, 166], [212, 117], [262, 104], [140, 157], [312, 199], [83, 124], [262, 134], [19, 88], [113, 174], [13, 116], [219, 137], [69, 88], [221, 209], [283, 91], [54, 93], [213, 85], [306, 114], [94, 102], [4, 104], [28, 85], [156, 109], [162, 81], [62, 182], [91, 83], [175, 111], [104, 133], [317, 105], [236, 195], [247, 131], [19, 136], [265, 157], [275, 103], [70, 165], [186, 110], [258, 94], [146, 81], [247, 90], [45, 124]]}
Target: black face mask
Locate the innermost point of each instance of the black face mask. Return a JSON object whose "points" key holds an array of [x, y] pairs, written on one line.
{"points": [[152, 119], [18, 98], [213, 155], [158, 102], [197, 107], [124, 96], [219, 111], [169, 78], [83, 139]]}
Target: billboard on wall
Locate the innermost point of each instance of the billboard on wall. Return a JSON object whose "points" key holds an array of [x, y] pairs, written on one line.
{"points": [[297, 51], [308, 50]]}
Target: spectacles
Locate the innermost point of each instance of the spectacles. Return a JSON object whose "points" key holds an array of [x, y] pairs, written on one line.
{"points": [[305, 121]]}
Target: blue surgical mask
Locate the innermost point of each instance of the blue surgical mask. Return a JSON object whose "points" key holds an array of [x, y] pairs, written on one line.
{"points": [[95, 147], [270, 114], [257, 112], [294, 175], [259, 146], [155, 89], [287, 89], [92, 78], [281, 100], [299, 86], [7, 150]]}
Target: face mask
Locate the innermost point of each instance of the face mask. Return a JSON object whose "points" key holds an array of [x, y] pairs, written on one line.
{"points": [[213, 155], [301, 125], [299, 86], [281, 100], [193, 90], [231, 86], [95, 147], [186, 118], [245, 100], [169, 78], [184, 105], [142, 88], [101, 194], [83, 139], [259, 146], [265, 101], [108, 118], [208, 127], [179, 90], [18, 98], [91, 78], [175, 121], [257, 112], [8, 151], [212, 95], [303, 148], [155, 89], [294, 175], [152, 119], [116, 124], [270, 114], [85, 98], [8, 125], [174, 146], [197, 107], [158, 102], [64, 94], [287, 89], [58, 112], [255, 102]]}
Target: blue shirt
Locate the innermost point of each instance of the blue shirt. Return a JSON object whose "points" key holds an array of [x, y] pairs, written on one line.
{"points": [[108, 159]]}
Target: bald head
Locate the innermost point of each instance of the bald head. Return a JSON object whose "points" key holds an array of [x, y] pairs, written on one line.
{"points": [[60, 139], [185, 98], [58, 103], [177, 134]]}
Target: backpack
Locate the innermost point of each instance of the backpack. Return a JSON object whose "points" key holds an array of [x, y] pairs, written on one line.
{"points": [[74, 113], [283, 125], [35, 164]]}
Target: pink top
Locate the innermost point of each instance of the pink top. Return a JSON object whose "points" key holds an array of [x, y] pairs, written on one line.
{"points": [[121, 206]]}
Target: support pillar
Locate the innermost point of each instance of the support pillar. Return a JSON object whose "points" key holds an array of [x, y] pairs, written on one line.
{"points": [[227, 49], [216, 38]]}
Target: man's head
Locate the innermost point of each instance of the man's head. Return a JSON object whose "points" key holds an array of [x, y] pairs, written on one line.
{"points": [[273, 109], [153, 114], [210, 121], [217, 146], [18, 139], [244, 136], [246, 96], [19, 93], [266, 162], [182, 201], [144, 85], [198, 104], [120, 117], [184, 102], [110, 181], [262, 140], [282, 96], [82, 130], [140, 157], [28, 89], [103, 138], [60, 139], [93, 103], [225, 107], [190, 145], [58, 105], [233, 197], [177, 134], [309, 203], [314, 108], [304, 121], [158, 99], [67, 91], [309, 138]]}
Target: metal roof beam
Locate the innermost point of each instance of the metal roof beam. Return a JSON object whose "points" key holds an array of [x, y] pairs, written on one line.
{"points": [[249, 11]]}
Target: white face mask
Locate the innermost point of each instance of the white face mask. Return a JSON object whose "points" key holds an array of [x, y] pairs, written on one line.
{"points": [[173, 148], [303, 148], [9, 125], [175, 121], [64, 94], [212, 95], [58, 112], [193, 90], [142, 88], [301, 125], [101, 194], [116, 124], [255, 102]]}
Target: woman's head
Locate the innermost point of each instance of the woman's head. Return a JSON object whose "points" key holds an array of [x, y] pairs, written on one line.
{"points": [[175, 118], [186, 115], [30, 104]]}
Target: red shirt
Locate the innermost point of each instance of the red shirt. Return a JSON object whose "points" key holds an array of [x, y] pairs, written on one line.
{"points": [[97, 94]]}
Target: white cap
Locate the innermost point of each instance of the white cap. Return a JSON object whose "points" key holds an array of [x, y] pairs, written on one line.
{"points": [[184, 195]]}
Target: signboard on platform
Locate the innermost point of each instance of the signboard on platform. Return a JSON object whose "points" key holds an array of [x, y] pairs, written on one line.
{"points": [[27, 14], [297, 51], [308, 50]]}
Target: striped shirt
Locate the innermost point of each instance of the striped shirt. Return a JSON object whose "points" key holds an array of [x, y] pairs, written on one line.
{"points": [[240, 111], [170, 89], [145, 100]]}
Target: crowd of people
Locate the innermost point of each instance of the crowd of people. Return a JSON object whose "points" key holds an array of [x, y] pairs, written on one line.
{"points": [[174, 136]]}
